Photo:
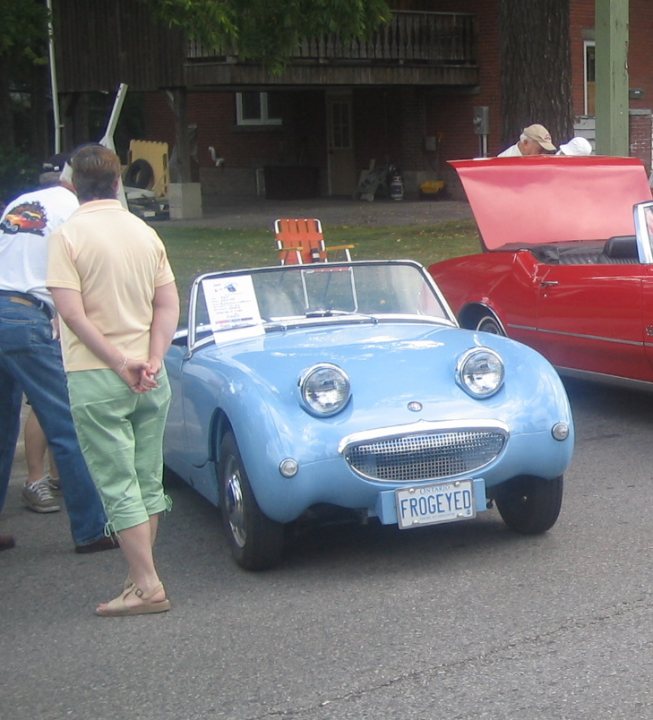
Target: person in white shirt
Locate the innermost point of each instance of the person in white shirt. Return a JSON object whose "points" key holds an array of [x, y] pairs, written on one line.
{"points": [[534, 140], [31, 363]]}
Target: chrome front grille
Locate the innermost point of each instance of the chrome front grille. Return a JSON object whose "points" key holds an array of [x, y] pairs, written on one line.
{"points": [[425, 455]]}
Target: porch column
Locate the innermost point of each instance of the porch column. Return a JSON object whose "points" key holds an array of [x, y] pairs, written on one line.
{"points": [[611, 19]]}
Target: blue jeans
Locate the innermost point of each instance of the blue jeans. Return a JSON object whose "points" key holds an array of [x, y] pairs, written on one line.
{"points": [[30, 362]]}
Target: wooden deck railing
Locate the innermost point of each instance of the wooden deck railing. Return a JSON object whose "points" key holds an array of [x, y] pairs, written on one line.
{"points": [[409, 38]]}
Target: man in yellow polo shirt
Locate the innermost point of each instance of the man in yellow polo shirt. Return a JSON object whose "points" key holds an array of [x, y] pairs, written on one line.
{"points": [[115, 292]]}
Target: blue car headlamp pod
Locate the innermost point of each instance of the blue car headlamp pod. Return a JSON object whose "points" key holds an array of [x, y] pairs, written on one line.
{"points": [[480, 372], [325, 389]]}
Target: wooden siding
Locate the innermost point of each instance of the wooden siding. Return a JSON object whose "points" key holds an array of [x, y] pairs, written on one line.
{"points": [[410, 37], [101, 43], [424, 48], [238, 76]]}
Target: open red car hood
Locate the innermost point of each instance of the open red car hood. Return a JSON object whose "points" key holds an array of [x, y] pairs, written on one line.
{"points": [[547, 199]]}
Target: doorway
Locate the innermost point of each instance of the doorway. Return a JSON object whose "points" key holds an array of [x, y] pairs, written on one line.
{"points": [[341, 165]]}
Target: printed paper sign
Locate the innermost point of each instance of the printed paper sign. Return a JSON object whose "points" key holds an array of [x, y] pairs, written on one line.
{"points": [[232, 306]]}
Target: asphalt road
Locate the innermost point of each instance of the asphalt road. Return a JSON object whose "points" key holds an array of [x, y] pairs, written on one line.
{"points": [[462, 622]]}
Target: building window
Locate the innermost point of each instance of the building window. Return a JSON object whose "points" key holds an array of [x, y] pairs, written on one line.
{"points": [[590, 77], [257, 108]]}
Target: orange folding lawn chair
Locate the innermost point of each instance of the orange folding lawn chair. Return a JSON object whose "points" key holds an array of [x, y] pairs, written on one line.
{"points": [[300, 241]]}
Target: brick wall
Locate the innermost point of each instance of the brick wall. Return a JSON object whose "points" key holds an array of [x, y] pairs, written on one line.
{"points": [[640, 62], [640, 130], [581, 28]]}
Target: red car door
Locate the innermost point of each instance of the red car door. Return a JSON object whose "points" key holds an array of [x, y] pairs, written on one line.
{"points": [[590, 317]]}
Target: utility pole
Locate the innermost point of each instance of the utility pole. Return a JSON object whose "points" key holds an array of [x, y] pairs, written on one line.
{"points": [[612, 126]]}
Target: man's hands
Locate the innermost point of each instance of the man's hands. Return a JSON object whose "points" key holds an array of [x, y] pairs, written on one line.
{"points": [[139, 375]]}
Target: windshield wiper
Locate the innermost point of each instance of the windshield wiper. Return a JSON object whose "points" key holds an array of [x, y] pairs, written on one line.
{"points": [[330, 312], [322, 312]]}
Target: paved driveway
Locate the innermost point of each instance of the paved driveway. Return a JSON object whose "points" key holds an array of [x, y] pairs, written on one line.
{"points": [[466, 621]]}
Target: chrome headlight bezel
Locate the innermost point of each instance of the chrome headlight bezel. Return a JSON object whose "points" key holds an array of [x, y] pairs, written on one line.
{"points": [[480, 372], [324, 390]]}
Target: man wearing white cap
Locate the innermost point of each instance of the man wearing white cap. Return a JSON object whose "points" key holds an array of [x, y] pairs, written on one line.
{"points": [[576, 146], [534, 140]]}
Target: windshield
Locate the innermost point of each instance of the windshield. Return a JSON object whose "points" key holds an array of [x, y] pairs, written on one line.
{"points": [[301, 293], [643, 213]]}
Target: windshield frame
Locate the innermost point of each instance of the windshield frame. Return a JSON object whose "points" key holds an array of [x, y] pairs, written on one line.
{"points": [[200, 334]]}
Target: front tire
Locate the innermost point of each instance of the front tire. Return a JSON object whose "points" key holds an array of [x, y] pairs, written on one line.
{"points": [[530, 505], [255, 541], [9, 227], [489, 324]]}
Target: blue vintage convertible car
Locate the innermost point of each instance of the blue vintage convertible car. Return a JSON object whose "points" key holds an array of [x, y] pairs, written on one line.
{"points": [[351, 385]]}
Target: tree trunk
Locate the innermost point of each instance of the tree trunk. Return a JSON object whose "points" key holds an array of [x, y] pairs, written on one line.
{"points": [[535, 68], [180, 157]]}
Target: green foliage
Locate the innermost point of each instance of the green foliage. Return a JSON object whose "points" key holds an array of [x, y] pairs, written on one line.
{"points": [[23, 45], [269, 31], [210, 21], [24, 26], [18, 173]]}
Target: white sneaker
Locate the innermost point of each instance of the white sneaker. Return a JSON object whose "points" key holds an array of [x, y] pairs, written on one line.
{"points": [[39, 498], [54, 484]]}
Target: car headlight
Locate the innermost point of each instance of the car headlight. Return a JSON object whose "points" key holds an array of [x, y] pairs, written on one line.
{"points": [[480, 372], [324, 389]]}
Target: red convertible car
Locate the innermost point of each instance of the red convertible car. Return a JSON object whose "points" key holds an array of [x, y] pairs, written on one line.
{"points": [[568, 262]]}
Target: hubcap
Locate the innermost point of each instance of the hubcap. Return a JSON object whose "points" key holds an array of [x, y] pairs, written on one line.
{"points": [[489, 325], [234, 504]]}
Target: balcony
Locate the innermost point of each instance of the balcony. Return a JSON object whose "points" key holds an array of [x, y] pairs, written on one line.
{"points": [[423, 48]]}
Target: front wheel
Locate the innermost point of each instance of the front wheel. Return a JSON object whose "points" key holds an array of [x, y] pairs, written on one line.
{"points": [[256, 542], [489, 324], [530, 505], [9, 227]]}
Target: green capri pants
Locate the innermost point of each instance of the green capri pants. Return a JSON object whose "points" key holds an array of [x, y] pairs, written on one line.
{"points": [[121, 436]]}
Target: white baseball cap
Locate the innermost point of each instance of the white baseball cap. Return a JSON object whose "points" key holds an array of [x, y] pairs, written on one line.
{"points": [[576, 146]]}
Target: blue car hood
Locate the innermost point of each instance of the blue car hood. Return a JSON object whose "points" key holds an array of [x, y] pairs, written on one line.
{"points": [[389, 364], [346, 345]]}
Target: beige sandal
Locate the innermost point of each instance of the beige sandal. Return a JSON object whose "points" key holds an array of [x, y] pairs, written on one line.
{"points": [[118, 608]]}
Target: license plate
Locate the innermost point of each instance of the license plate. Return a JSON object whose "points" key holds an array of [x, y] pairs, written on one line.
{"points": [[149, 213], [429, 504]]}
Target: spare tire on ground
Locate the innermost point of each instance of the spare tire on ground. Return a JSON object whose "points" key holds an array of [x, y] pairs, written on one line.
{"points": [[139, 174]]}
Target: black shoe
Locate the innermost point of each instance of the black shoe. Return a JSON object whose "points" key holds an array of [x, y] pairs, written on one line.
{"points": [[104, 543], [7, 541]]}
